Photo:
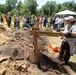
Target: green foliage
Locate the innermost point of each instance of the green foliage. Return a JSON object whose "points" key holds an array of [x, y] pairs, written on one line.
{"points": [[48, 8], [32, 6], [19, 6], [14, 11], [0, 13], [11, 3], [25, 9], [29, 7], [1, 8]]}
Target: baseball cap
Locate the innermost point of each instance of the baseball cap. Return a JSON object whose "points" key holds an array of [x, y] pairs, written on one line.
{"points": [[71, 18]]}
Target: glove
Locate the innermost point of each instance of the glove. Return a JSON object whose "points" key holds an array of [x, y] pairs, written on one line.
{"points": [[68, 34]]}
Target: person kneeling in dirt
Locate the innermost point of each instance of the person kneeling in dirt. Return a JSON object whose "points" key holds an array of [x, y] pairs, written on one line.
{"points": [[68, 46]]}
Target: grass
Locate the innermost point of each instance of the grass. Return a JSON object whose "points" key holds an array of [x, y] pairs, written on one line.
{"points": [[73, 58]]}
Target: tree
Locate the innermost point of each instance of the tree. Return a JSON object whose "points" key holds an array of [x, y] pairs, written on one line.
{"points": [[19, 6], [69, 5], [14, 11], [32, 6], [24, 9], [1, 8], [10, 4], [48, 8], [58, 8]]}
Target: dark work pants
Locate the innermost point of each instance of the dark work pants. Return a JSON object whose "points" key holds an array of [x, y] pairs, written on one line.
{"points": [[8, 23], [63, 54], [45, 24]]}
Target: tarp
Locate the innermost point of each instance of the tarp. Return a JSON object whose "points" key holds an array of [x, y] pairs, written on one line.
{"points": [[66, 12]]}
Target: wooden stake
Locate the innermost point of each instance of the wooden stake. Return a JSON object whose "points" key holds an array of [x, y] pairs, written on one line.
{"points": [[35, 44]]}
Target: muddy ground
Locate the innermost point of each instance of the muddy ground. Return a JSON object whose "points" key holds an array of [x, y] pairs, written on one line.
{"points": [[17, 53]]}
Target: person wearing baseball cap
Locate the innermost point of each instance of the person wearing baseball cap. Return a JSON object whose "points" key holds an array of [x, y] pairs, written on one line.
{"points": [[70, 18], [68, 45]]}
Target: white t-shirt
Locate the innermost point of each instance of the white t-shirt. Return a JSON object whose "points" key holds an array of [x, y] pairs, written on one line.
{"points": [[60, 21], [56, 20]]}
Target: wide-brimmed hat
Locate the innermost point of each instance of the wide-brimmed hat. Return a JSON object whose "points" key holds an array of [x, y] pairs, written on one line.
{"points": [[70, 18]]}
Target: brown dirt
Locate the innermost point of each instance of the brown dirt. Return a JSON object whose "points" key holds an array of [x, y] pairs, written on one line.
{"points": [[17, 53]]}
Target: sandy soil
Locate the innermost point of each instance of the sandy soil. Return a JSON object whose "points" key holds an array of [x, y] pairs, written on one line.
{"points": [[17, 53]]}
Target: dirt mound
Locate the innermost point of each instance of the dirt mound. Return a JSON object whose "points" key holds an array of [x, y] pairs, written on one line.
{"points": [[17, 54], [4, 28]]}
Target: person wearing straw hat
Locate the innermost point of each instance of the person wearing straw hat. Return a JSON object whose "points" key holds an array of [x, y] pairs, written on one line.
{"points": [[68, 45]]}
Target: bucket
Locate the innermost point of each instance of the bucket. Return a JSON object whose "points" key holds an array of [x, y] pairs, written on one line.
{"points": [[54, 47]]}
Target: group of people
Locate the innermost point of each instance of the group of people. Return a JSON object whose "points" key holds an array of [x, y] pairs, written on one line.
{"points": [[58, 22], [28, 21], [31, 21], [68, 45]]}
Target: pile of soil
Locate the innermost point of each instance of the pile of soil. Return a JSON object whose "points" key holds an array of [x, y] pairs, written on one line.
{"points": [[17, 53]]}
